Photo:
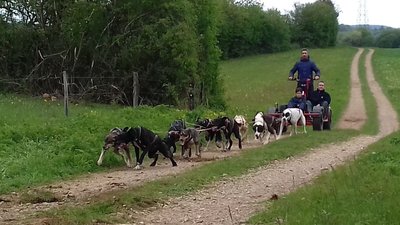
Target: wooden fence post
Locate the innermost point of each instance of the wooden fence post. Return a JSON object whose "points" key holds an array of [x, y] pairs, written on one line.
{"points": [[65, 81], [135, 90]]}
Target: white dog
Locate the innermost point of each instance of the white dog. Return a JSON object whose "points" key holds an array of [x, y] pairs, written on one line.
{"points": [[243, 126], [292, 116]]}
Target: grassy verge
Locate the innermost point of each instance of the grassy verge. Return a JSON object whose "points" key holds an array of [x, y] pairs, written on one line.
{"points": [[361, 192]]}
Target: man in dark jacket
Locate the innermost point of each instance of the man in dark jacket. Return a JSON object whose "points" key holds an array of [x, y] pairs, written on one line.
{"points": [[298, 100], [305, 69], [321, 98]]}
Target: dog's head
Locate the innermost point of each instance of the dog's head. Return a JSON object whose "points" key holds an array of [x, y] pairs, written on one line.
{"points": [[177, 125], [110, 139], [258, 126], [127, 135], [184, 136], [286, 116], [240, 120], [174, 135], [259, 129], [206, 123]]}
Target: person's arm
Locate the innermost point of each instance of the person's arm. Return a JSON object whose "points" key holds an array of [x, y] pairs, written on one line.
{"points": [[314, 98], [293, 71], [291, 103], [302, 105], [328, 98], [316, 71]]}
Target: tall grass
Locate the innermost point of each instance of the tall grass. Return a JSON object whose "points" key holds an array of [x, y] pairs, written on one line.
{"points": [[362, 192]]}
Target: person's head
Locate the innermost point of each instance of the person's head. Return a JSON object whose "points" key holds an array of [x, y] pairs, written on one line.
{"points": [[304, 54], [298, 92], [321, 86]]}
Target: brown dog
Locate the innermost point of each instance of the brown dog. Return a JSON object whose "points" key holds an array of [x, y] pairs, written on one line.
{"points": [[243, 126], [189, 138], [109, 142]]}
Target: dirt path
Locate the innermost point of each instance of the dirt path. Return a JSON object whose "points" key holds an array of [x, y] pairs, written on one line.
{"points": [[238, 197], [355, 114]]}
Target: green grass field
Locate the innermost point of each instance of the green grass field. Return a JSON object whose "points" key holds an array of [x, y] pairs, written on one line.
{"points": [[39, 145]]}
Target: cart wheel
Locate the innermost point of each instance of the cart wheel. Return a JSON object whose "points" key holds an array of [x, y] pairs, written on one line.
{"points": [[327, 124], [317, 123]]}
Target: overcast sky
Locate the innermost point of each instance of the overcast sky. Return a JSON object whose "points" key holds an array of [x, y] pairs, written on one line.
{"points": [[379, 12]]}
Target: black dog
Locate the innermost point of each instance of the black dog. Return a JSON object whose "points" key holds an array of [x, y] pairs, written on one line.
{"points": [[224, 124], [174, 133], [210, 132], [146, 140], [229, 127]]}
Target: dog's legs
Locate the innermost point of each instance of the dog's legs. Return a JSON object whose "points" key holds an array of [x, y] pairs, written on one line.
{"points": [[100, 160], [198, 150], [244, 136], [209, 138], [138, 165], [140, 161], [124, 152], [128, 157], [266, 141], [174, 147], [303, 121], [280, 129], [155, 156], [237, 135], [208, 142], [167, 154], [291, 130], [229, 143]]}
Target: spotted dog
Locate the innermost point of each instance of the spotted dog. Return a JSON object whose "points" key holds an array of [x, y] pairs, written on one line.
{"points": [[292, 116]]}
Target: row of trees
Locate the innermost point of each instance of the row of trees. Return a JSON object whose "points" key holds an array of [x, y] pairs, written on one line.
{"points": [[171, 44], [370, 35]]}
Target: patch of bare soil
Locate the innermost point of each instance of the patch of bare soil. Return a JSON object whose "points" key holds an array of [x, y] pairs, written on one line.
{"points": [[231, 201]]}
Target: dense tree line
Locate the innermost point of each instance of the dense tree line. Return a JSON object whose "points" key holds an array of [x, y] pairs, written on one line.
{"points": [[173, 45], [369, 36]]}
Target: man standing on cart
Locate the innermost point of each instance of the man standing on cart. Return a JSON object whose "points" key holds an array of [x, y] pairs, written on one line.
{"points": [[305, 69]]}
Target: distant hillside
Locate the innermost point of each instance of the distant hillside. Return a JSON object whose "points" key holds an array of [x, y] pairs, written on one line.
{"points": [[345, 28]]}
